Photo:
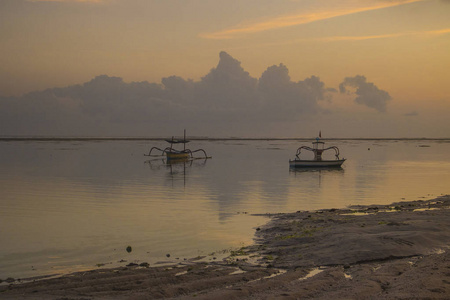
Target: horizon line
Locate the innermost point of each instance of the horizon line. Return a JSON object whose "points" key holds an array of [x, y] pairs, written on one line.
{"points": [[198, 138]]}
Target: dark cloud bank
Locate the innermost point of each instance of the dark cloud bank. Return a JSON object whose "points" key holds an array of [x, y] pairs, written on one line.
{"points": [[225, 102]]}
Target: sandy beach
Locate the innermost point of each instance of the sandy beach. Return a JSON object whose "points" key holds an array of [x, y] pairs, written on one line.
{"points": [[397, 251]]}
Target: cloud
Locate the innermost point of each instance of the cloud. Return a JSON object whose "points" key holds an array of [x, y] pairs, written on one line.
{"points": [[228, 86], [286, 99], [367, 93], [330, 39], [86, 1], [227, 100], [299, 19], [385, 36], [437, 32], [411, 114]]}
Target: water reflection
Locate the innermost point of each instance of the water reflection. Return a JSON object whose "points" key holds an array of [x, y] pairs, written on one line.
{"points": [[317, 187], [176, 168], [319, 169], [81, 203]]}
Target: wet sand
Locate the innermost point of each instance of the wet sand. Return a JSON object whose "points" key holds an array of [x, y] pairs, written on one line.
{"points": [[397, 251]]}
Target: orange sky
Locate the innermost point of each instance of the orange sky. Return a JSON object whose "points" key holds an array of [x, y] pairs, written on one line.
{"points": [[402, 46]]}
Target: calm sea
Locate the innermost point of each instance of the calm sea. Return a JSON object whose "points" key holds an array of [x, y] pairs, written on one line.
{"points": [[78, 204]]}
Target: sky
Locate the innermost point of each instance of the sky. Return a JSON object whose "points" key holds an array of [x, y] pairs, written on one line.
{"points": [[238, 68]]}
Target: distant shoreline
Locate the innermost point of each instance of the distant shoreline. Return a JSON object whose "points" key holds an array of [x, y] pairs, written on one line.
{"points": [[38, 138]]}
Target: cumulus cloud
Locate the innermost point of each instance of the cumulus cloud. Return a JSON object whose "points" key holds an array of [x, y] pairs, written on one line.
{"points": [[286, 99], [227, 100], [367, 93], [411, 114], [228, 86]]}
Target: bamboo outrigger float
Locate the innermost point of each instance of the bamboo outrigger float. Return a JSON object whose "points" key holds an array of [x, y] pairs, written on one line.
{"points": [[174, 155], [317, 162]]}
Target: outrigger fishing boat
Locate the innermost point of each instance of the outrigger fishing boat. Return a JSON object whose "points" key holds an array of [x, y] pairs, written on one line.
{"points": [[174, 155], [317, 162]]}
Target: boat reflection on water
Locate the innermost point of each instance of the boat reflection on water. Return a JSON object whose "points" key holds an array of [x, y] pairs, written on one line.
{"points": [[177, 168], [338, 169], [313, 175], [175, 165]]}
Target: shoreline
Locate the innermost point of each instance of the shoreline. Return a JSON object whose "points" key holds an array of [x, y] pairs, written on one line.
{"points": [[213, 139], [399, 250]]}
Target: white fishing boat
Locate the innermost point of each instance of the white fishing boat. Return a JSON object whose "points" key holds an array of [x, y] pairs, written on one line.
{"points": [[317, 162]]}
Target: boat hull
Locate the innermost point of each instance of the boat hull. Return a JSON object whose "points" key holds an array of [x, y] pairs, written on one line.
{"points": [[177, 155], [296, 163]]}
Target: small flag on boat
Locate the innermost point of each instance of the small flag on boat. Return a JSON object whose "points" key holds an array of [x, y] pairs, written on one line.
{"points": [[320, 133]]}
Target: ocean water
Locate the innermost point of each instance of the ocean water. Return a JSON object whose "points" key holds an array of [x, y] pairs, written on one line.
{"points": [[69, 205]]}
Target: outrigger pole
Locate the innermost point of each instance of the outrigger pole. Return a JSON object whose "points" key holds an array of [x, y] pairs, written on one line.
{"points": [[173, 154]]}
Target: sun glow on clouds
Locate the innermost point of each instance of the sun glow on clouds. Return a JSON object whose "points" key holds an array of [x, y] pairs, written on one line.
{"points": [[385, 36], [292, 20]]}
